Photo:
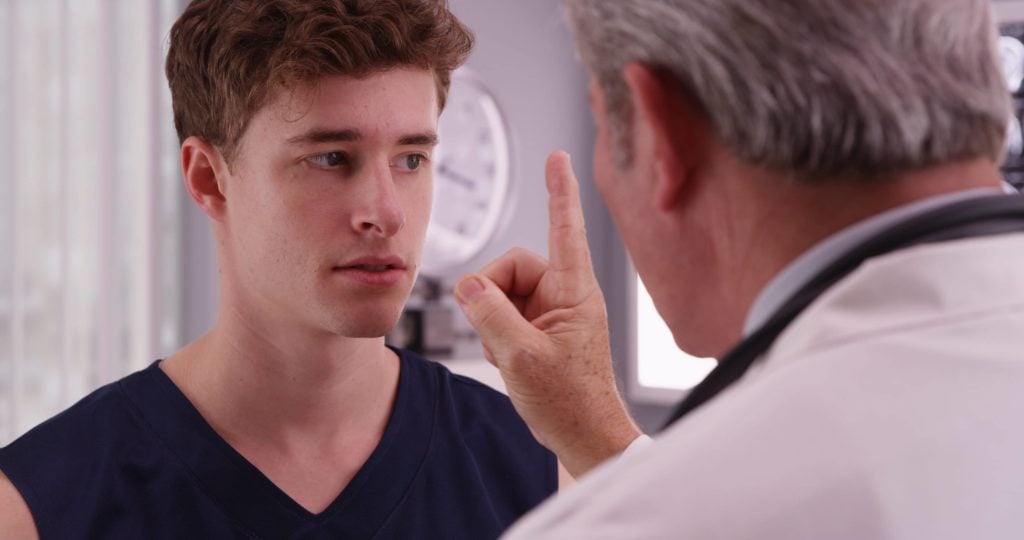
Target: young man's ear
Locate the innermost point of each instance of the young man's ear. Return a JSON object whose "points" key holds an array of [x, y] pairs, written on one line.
{"points": [[205, 171], [678, 132]]}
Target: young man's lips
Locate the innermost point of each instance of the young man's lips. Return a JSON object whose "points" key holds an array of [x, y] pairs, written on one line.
{"points": [[373, 272]]}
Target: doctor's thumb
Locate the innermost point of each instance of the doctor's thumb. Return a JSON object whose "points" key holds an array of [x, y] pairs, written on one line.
{"points": [[492, 314]]}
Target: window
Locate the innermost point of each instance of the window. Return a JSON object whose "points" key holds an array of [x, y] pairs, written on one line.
{"points": [[89, 200], [662, 372]]}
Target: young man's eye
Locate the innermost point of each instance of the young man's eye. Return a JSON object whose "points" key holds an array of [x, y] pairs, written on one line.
{"points": [[410, 162], [328, 160]]}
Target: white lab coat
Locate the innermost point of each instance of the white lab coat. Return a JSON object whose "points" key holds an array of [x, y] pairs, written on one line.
{"points": [[892, 408]]}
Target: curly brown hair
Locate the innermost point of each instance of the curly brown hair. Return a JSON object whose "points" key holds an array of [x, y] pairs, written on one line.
{"points": [[227, 58]]}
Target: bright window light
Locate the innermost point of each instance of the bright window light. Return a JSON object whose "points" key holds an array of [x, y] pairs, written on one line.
{"points": [[89, 201], [660, 363]]}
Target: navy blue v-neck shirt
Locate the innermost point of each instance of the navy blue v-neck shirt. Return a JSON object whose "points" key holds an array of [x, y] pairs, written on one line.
{"points": [[135, 459]]}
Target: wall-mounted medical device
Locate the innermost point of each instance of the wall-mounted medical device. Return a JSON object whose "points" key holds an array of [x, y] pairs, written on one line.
{"points": [[1010, 19], [471, 176], [471, 187]]}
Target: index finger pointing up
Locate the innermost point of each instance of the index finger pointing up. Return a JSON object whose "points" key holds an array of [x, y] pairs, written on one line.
{"points": [[567, 237]]}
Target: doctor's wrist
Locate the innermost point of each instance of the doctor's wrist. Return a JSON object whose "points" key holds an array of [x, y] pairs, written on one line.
{"points": [[586, 452]]}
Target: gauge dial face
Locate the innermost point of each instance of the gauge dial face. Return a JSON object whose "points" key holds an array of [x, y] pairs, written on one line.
{"points": [[471, 176], [1014, 139], [1011, 54]]}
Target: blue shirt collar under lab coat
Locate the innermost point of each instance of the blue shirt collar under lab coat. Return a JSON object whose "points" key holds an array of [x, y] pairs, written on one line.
{"points": [[791, 278]]}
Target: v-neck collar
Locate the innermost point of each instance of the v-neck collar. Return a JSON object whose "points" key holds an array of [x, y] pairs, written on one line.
{"points": [[247, 496]]}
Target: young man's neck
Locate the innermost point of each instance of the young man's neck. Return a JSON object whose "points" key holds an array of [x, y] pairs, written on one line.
{"points": [[274, 386], [306, 413], [280, 384]]}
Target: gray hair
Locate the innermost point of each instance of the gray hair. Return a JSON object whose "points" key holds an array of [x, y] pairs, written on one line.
{"points": [[817, 88]]}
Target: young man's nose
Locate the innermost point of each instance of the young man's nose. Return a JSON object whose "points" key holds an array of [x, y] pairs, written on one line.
{"points": [[379, 211]]}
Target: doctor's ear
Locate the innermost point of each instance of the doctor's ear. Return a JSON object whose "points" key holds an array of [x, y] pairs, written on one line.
{"points": [[676, 129], [204, 171]]}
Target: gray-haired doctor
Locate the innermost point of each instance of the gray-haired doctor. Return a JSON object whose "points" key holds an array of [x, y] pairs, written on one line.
{"points": [[810, 191]]}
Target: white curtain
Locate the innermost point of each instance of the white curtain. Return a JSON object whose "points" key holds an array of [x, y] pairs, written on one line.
{"points": [[89, 200]]}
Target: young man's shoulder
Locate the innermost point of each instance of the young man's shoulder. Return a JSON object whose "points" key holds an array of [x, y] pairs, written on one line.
{"points": [[479, 449], [482, 420], [92, 420], [467, 399], [48, 468]]}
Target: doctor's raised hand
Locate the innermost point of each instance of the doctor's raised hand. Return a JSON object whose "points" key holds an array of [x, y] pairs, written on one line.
{"points": [[543, 324]]}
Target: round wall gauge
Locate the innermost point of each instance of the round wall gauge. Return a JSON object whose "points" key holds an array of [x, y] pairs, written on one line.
{"points": [[1011, 54], [471, 176]]}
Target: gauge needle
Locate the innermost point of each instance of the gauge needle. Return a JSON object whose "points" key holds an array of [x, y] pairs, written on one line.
{"points": [[456, 177]]}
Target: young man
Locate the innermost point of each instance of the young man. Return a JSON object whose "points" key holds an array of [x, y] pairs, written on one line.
{"points": [[307, 128]]}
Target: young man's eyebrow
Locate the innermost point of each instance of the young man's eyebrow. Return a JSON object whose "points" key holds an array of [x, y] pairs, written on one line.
{"points": [[326, 135], [419, 139], [350, 135]]}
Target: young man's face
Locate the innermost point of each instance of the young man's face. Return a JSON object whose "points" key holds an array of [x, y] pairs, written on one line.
{"points": [[328, 202]]}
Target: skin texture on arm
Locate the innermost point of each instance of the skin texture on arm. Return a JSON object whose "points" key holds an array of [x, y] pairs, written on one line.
{"points": [[16, 521], [543, 324]]}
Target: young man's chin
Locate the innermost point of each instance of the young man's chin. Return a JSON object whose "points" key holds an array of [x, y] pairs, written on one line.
{"points": [[368, 325]]}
